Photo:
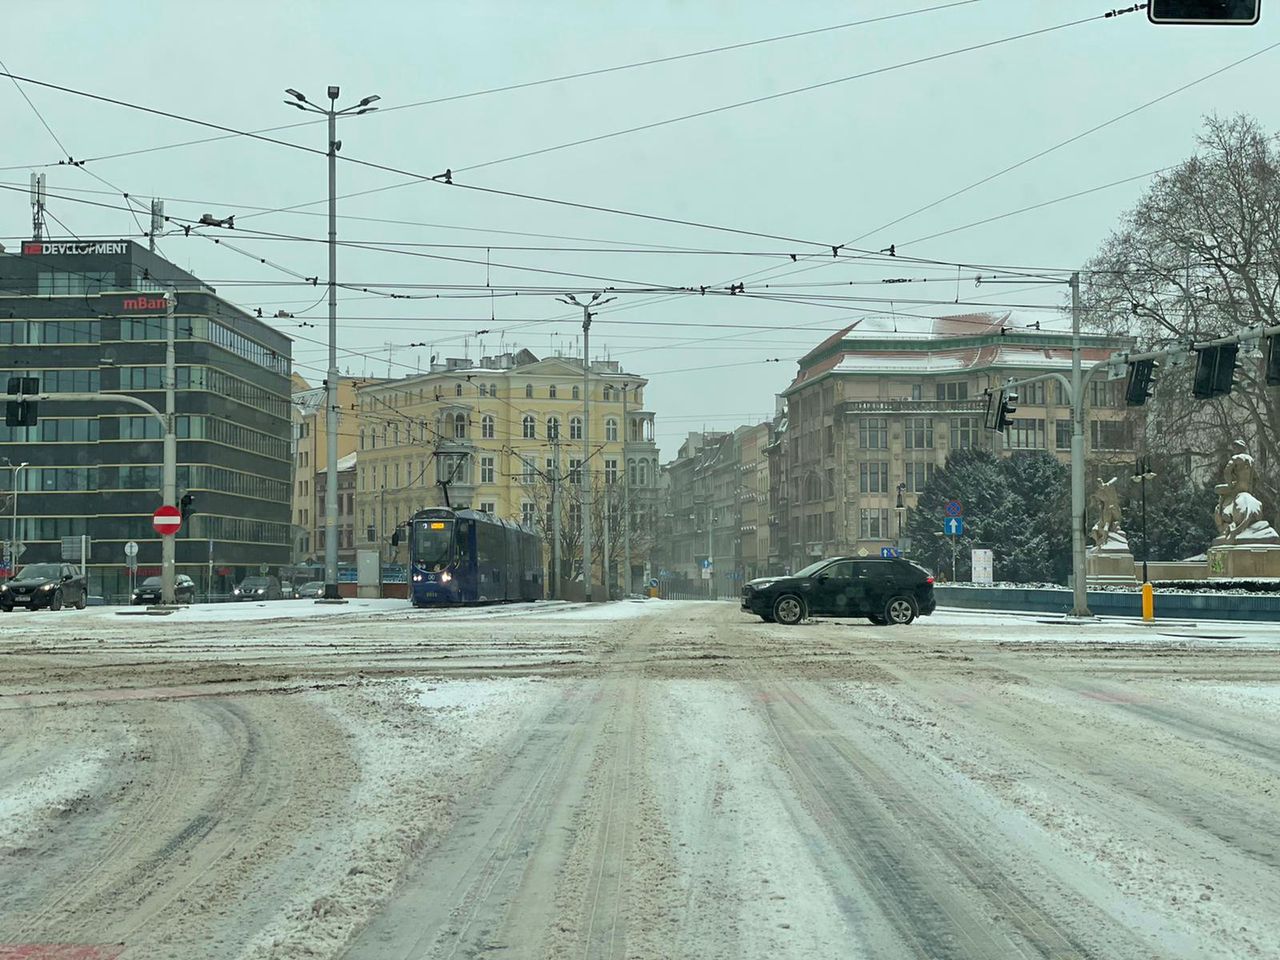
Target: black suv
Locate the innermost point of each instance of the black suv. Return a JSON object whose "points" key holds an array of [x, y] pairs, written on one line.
{"points": [[51, 585], [882, 590]]}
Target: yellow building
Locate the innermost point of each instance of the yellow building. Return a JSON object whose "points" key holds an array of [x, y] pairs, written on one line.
{"points": [[498, 436], [310, 450]]}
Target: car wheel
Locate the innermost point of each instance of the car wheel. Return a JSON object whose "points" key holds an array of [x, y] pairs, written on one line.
{"points": [[900, 611], [56, 602], [8, 608], [788, 610], [82, 601]]}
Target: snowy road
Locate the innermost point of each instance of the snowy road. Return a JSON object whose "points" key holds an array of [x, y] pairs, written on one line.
{"points": [[638, 780]]}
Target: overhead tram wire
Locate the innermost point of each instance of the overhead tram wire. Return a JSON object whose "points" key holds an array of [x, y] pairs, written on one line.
{"points": [[523, 85]]}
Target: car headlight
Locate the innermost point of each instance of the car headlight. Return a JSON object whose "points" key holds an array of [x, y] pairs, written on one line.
{"points": [[445, 577], [4, 588], [47, 586], [261, 590]]}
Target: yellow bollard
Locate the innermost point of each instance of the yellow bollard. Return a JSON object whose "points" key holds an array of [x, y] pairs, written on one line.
{"points": [[1148, 602]]}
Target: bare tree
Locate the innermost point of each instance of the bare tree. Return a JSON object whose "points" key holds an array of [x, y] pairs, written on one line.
{"points": [[1199, 257]]}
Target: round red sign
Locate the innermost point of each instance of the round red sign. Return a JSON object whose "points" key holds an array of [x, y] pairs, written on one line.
{"points": [[166, 520]]}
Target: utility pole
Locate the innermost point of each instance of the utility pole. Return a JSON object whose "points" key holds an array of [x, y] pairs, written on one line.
{"points": [[585, 477], [331, 594], [711, 560], [604, 560], [169, 478], [555, 517], [626, 498], [157, 223], [13, 527], [1080, 586]]}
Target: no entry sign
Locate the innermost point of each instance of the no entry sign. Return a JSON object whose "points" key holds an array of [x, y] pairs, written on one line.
{"points": [[166, 520]]}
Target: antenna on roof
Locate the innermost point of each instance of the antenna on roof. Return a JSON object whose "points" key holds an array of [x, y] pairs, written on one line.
{"points": [[37, 206]]}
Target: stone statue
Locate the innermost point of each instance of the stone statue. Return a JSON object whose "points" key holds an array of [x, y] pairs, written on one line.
{"points": [[1238, 516], [1106, 531]]}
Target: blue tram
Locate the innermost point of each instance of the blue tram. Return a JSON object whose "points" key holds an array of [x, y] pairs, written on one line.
{"points": [[466, 556]]}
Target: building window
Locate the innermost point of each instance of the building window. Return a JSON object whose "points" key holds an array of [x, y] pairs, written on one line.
{"points": [[575, 392], [1026, 433], [873, 477], [493, 389], [528, 473], [644, 473], [608, 392], [964, 433], [918, 476], [917, 391], [528, 391], [1104, 393], [459, 426], [575, 428], [528, 513], [873, 523], [484, 390], [611, 471], [487, 426], [873, 433], [1062, 434], [529, 426], [486, 470], [575, 470], [457, 390], [919, 433], [1032, 394], [1060, 394], [553, 427], [812, 488], [575, 515], [611, 430], [1109, 435], [953, 390], [451, 468], [551, 391]]}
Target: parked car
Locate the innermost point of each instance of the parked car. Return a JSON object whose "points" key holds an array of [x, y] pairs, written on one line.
{"points": [[288, 591], [311, 590], [184, 590], [884, 590], [257, 588], [51, 585]]}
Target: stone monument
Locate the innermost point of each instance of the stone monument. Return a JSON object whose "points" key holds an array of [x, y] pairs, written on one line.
{"points": [[1109, 560], [1246, 545]]}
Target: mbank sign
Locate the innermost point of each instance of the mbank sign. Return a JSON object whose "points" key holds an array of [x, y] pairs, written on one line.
{"points": [[143, 303]]}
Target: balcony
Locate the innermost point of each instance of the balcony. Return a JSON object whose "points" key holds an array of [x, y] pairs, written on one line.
{"points": [[970, 406]]}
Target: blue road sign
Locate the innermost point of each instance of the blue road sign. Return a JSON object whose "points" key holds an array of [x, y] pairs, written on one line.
{"points": [[706, 564], [653, 582], [888, 552], [953, 508], [953, 526]]}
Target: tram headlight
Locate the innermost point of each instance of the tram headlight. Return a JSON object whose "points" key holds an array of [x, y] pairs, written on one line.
{"points": [[445, 577], [417, 578]]}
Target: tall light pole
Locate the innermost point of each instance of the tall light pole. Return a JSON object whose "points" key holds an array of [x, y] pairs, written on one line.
{"points": [[1142, 472], [626, 496], [331, 383], [585, 475], [13, 527]]}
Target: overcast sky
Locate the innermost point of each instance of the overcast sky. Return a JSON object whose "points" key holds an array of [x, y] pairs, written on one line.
{"points": [[818, 168]]}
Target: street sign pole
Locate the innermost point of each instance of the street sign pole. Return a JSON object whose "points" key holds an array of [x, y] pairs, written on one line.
{"points": [[169, 493]]}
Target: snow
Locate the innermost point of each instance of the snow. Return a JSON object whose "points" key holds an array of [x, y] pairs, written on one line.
{"points": [[55, 788]]}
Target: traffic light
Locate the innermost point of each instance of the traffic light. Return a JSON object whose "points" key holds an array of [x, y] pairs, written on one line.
{"points": [[1004, 409], [1238, 12], [186, 506], [371, 534], [1215, 369], [1273, 361], [1141, 380], [395, 537], [22, 413], [993, 408]]}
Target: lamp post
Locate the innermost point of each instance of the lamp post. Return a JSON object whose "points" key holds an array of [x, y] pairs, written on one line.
{"points": [[586, 430], [13, 527], [1142, 473], [331, 382]]}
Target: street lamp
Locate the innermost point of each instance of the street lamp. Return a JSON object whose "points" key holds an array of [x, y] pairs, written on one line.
{"points": [[901, 508], [13, 528], [1142, 473], [331, 382], [954, 551]]}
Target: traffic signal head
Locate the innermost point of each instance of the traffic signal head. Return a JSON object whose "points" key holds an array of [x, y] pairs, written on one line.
{"points": [[186, 506], [1272, 371], [1215, 369], [1141, 380], [1239, 12], [1005, 409], [395, 537], [993, 407]]}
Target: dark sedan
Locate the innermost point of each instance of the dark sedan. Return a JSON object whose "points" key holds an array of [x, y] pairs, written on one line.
{"points": [[51, 585], [884, 590], [257, 588], [184, 590], [311, 590]]}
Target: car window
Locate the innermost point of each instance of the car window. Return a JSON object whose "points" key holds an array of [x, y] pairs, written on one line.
{"points": [[844, 570], [151, 582]]}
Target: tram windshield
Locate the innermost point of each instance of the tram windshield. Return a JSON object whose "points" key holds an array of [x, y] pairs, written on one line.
{"points": [[432, 543]]}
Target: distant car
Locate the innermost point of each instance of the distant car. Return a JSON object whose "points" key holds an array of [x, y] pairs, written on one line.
{"points": [[184, 590], [311, 590], [288, 591], [257, 588], [51, 585], [884, 590]]}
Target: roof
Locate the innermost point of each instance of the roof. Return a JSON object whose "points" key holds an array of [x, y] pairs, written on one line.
{"points": [[344, 463]]}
